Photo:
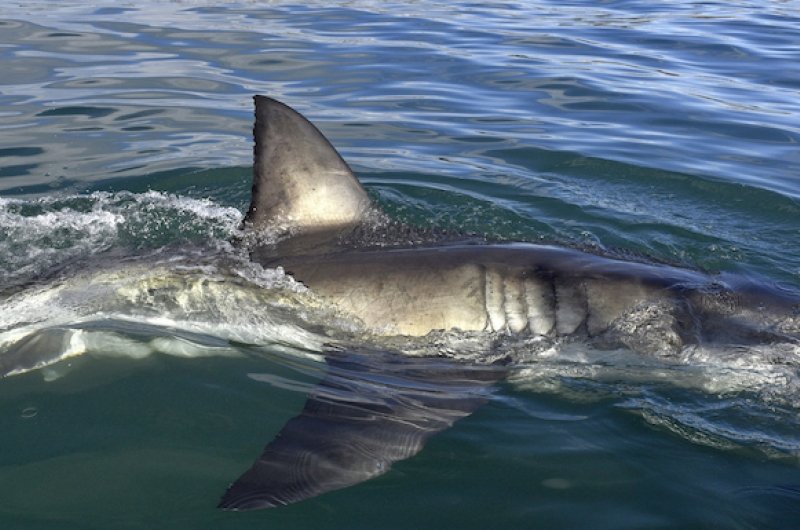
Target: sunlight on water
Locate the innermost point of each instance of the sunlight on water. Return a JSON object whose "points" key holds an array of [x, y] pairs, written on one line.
{"points": [[157, 360]]}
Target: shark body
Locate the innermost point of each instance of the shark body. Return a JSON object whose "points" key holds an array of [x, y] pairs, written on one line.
{"points": [[307, 198]]}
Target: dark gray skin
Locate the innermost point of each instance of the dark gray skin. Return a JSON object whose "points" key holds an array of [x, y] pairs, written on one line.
{"points": [[304, 193]]}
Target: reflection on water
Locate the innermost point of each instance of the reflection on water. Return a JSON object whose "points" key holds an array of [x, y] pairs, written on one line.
{"points": [[596, 80], [665, 132]]}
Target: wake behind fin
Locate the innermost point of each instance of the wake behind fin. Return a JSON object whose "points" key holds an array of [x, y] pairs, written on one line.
{"points": [[367, 413], [301, 185]]}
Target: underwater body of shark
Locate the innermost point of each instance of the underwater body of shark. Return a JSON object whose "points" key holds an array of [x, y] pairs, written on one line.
{"points": [[306, 199]]}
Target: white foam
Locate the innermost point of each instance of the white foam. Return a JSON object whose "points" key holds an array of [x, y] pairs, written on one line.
{"points": [[769, 370], [39, 234], [168, 306]]}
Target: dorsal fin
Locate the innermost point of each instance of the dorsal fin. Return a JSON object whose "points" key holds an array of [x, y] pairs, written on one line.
{"points": [[300, 182]]}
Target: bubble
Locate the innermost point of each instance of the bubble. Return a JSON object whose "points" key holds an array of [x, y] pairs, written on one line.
{"points": [[29, 412]]}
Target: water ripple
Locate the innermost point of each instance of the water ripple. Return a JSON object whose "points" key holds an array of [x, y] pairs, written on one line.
{"points": [[667, 129]]}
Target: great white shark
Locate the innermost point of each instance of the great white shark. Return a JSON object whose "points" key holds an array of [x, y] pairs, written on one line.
{"points": [[324, 230], [416, 298]]}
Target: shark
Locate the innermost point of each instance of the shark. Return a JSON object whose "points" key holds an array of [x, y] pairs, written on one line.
{"points": [[310, 215], [409, 330]]}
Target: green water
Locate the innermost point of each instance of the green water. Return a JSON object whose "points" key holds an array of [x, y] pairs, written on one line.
{"points": [[666, 132]]}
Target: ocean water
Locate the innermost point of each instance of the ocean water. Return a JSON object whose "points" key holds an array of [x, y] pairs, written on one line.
{"points": [[662, 131]]}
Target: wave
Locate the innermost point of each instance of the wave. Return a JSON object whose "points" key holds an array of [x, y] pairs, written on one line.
{"points": [[40, 235]]}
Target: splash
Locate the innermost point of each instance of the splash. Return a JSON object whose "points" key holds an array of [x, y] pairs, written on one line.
{"points": [[170, 305], [733, 398], [40, 235], [131, 275]]}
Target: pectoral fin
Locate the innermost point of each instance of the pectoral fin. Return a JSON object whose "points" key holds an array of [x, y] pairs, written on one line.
{"points": [[367, 413]]}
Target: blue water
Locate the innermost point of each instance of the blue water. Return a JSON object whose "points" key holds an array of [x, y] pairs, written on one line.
{"points": [[664, 131]]}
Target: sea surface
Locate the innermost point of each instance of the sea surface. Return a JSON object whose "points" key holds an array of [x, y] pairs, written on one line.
{"points": [[665, 132]]}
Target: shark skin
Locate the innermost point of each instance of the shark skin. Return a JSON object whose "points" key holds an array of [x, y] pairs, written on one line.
{"points": [[306, 195]]}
